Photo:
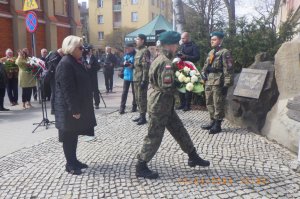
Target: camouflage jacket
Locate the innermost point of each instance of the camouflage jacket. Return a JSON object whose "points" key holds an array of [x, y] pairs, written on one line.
{"points": [[162, 76], [141, 65], [219, 68]]}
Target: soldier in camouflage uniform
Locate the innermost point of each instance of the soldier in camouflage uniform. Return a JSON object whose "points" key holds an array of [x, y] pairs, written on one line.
{"points": [[161, 109], [141, 77], [218, 70]]}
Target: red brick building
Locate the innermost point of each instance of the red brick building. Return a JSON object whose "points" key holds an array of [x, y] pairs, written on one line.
{"points": [[56, 20]]}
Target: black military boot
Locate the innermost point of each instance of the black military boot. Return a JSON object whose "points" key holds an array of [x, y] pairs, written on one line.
{"points": [[195, 160], [142, 119], [216, 128], [142, 170], [208, 126], [137, 118]]}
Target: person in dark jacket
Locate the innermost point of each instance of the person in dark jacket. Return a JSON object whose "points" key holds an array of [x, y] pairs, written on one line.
{"points": [[46, 92], [189, 51], [52, 61], [92, 66], [3, 82], [74, 111], [128, 78], [109, 62]]}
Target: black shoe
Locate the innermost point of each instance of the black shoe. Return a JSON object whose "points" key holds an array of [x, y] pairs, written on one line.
{"points": [[121, 111], [97, 107], [81, 165], [74, 170], [180, 107], [142, 170], [142, 119], [107, 91], [137, 119], [186, 108], [216, 128], [110, 90], [195, 160], [4, 109], [208, 126]]}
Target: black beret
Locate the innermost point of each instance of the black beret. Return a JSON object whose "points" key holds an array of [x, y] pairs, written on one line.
{"points": [[129, 45]]}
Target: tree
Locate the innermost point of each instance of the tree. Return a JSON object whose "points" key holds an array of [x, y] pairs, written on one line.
{"points": [[179, 15], [116, 38], [230, 5]]}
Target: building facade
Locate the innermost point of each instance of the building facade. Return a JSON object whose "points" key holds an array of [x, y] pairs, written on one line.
{"points": [[105, 16], [84, 18], [285, 8], [56, 20]]}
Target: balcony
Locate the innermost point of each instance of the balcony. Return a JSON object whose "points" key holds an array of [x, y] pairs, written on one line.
{"points": [[117, 8], [117, 24]]}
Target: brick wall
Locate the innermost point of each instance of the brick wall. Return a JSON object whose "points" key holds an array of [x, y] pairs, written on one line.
{"points": [[6, 38], [40, 37], [62, 33]]}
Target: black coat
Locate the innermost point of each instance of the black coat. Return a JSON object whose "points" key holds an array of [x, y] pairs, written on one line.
{"points": [[73, 95], [109, 61], [3, 77], [191, 51]]}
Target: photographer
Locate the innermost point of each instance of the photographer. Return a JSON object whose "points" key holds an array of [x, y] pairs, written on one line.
{"points": [[109, 61], [92, 66]]}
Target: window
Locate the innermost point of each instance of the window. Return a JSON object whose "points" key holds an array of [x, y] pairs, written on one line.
{"points": [[60, 7], [3, 1], [100, 35], [100, 19], [134, 16], [100, 4], [153, 2], [134, 2]]}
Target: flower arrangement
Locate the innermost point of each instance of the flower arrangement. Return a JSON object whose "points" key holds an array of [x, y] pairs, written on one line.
{"points": [[36, 67], [11, 67], [188, 77]]}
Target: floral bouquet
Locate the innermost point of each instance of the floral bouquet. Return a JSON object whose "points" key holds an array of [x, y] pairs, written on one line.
{"points": [[36, 66], [188, 77], [11, 67]]}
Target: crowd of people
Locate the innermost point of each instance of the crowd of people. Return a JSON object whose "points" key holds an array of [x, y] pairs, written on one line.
{"points": [[72, 82]]}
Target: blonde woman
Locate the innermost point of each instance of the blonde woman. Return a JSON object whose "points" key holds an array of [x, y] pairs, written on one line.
{"points": [[26, 80], [74, 110]]}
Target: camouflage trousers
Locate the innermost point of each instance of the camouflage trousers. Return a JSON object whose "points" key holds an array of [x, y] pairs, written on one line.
{"points": [[215, 102], [140, 97], [156, 129]]}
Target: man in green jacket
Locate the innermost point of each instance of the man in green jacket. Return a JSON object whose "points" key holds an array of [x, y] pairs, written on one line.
{"points": [[218, 69], [141, 77], [161, 109]]}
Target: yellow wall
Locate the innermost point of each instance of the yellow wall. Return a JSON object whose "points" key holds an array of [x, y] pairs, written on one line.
{"points": [[144, 8]]}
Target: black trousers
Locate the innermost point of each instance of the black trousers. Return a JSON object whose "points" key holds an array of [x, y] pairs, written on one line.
{"points": [[52, 86], [12, 90], [126, 86], [70, 141], [26, 94], [109, 79], [185, 99], [2, 94]]}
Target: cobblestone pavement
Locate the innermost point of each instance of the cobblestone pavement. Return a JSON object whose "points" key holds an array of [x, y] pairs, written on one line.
{"points": [[243, 165]]}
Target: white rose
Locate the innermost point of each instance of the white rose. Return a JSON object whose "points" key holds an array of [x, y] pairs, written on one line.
{"points": [[192, 73], [181, 77], [194, 79], [186, 70], [177, 73], [189, 86], [187, 80]]}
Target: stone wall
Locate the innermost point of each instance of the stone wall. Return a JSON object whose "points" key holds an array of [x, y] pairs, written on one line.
{"points": [[279, 126]]}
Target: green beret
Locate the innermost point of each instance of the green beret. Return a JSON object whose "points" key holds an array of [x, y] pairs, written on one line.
{"points": [[169, 37], [217, 34], [143, 37]]}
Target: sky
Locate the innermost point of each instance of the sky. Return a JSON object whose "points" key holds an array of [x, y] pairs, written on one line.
{"points": [[243, 7]]}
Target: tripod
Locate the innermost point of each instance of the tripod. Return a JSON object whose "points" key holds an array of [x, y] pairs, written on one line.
{"points": [[101, 97], [45, 121]]}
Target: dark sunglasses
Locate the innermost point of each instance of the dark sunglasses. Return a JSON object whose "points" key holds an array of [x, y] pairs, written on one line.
{"points": [[80, 48]]}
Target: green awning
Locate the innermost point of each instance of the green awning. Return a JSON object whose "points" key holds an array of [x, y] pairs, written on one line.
{"points": [[158, 23]]}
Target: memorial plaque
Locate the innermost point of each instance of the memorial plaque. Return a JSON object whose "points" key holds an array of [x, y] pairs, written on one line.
{"points": [[250, 83]]}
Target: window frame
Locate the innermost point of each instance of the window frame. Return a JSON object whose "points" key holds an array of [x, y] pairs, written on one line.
{"points": [[98, 19], [132, 18], [100, 38], [134, 2], [101, 3]]}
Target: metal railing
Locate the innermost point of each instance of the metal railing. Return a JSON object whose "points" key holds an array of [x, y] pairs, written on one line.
{"points": [[117, 8]]}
